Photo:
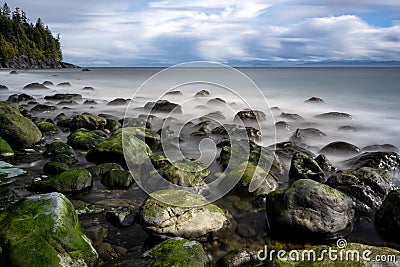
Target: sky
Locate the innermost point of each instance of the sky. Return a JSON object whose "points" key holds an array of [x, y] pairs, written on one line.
{"points": [[168, 32]]}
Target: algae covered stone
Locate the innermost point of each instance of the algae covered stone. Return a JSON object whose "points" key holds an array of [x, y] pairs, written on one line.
{"points": [[180, 213], [19, 131], [46, 127], [9, 108], [44, 230], [88, 121], [85, 139], [178, 252], [115, 178], [5, 149]]}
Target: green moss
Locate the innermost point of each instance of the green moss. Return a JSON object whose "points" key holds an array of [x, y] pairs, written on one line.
{"points": [[5, 149], [19, 131], [45, 126], [57, 148], [9, 108], [54, 167], [101, 169], [88, 121], [148, 136], [179, 252], [84, 139]]}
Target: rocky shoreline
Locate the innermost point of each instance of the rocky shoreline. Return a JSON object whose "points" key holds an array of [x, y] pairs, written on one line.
{"points": [[24, 62], [65, 178]]}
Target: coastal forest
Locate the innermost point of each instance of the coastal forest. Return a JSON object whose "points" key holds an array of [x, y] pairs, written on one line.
{"points": [[21, 37]]}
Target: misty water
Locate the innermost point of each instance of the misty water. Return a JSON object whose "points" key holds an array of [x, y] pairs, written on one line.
{"points": [[369, 95]]}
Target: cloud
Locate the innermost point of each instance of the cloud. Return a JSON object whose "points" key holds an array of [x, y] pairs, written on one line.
{"points": [[160, 31]]}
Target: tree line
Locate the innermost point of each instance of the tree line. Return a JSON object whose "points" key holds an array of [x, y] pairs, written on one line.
{"points": [[19, 36]]}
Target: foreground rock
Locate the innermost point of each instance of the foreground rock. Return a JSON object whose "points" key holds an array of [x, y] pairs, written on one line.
{"points": [[366, 186], [116, 178], [310, 210], [180, 213], [71, 181], [388, 161], [306, 167], [387, 218], [9, 108], [178, 252], [19, 131], [238, 258], [44, 230]]}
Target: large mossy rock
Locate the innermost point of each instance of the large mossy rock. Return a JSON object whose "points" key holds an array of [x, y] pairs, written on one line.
{"points": [[387, 218], [59, 148], [367, 188], [112, 150], [85, 139], [44, 230], [311, 210], [71, 181], [8, 108], [5, 149], [178, 252], [19, 131], [150, 137], [88, 121], [349, 256], [116, 178], [46, 127], [180, 213]]}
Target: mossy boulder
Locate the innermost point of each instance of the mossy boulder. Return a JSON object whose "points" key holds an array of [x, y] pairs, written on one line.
{"points": [[59, 148], [88, 121], [112, 150], [311, 210], [180, 213], [101, 169], [85, 139], [8, 108], [178, 252], [247, 172], [117, 179], [150, 137], [54, 167], [46, 127], [44, 230], [306, 167], [71, 181], [19, 131], [5, 149]]}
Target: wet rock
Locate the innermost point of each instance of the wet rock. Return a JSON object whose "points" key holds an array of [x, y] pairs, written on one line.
{"points": [[9, 108], [239, 258], [5, 149], [64, 97], [286, 150], [381, 148], [13, 72], [248, 172], [116, 178], [88, 88], [291, 116], [46, 127], [347, 128], [64, 84], [237, 132], [64, 158], [85, 69], [251, 115], [308, 209], [55, 167], [335, 116], [35, 86], [88, 121], [41, 108], [67, 103], [121, 217], [388, 161], [111, 150], [202, 93], [325, 165], [101, 169], [51, 226], [174, 93], [216, 101], [135, 122], [57, 148], [118, 102], [8, 172], [305, 167], [367, 187], [178, 252], [16, 98], [283, 126], [85, 139], [71, 181], [19, 131], [340, 148], [46, 83], [150, 137], [96, 234], [180, 213], [303, 135], [163, 106], [3, 87], [90, 102], [387, 218], [314, 99]]}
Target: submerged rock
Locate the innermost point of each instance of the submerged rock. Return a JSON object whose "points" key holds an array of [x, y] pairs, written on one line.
{"points": [[303, 135], [19, 131], [118, 102], [174, 93], [57, 148], [63, 97], [340, 148], [308, 209], [16, 98], [202, 93], [85, 139], [216, 101], [283, 126], [88, 121], [251, 115], [64, 84], [101, 169], [163, 106], [3, 87], [180, 213], [381, 148], [335, 116], [8, 172], [387, 218], [35, 86], [120, 217], [178, 252], [44, 230], [291, 116]]}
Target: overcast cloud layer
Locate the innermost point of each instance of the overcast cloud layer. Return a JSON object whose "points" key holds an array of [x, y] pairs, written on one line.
{"points": [[135, 32]]}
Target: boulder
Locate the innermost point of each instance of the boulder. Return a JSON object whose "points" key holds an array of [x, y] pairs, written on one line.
{"points": [[63, 97], [15, 98], [44, 230], [251, 115], [314, 99], [46, 127], [291, 116], [163, 106], [47, 83], [286, 150], [176, 92], [216, 101], [381, 148], [19, 131], [35, 86], [365, 186], [116, 178], [283, 126], [64, 84], [118, 102], [335, 116], [340, 148], [9, 108], [181, 213], [71, 181], [3, 87], [239, 258], [151, 138], [306, 134], [101, 169], [387, 218], [305, 167], [41, 108], [85, 139], [308, 209], [55, 167], [57, 148], [202, 93], [388, 161], [88, 88], [88, 121], [178, 252]]}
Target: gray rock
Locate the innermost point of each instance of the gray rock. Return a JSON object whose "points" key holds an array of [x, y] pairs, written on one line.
{"points": [[291, 116], [381, 148], [340, 148], [35, 86], [304, 135], [65, 97], [163, 106], [239, 258], [8, 172], [88, 121], [118, 102], [116, 178], [121, 217], [41, 108], [251, 115], [314, 99], [202, 93], [305, 167], [388, 161], [387, 218], [335, 116]]}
